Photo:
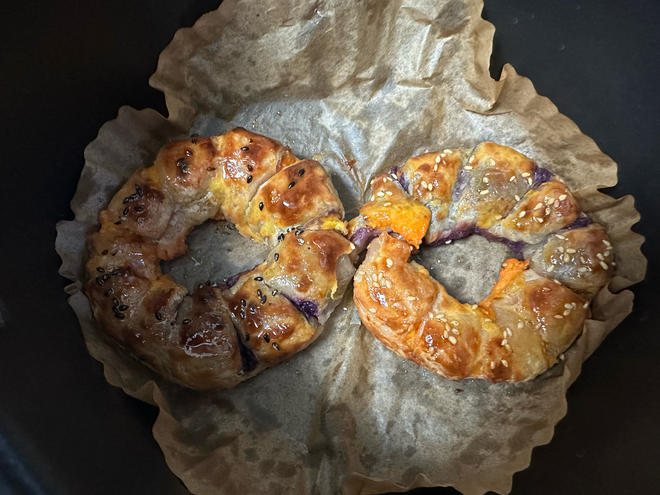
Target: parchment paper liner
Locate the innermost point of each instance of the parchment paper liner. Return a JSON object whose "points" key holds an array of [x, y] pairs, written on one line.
{"points": [[361, 87]]}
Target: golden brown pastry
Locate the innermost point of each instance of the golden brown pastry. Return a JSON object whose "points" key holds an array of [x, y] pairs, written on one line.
{"points": [[220, 334], [538, 306]]}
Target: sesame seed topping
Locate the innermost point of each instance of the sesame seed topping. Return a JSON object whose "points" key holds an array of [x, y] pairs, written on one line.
{"points": [[485, 191], [249, 179], [387, 204], [301, 171], [529, 181], [505, 363], [522, 214], [388, 262], [380, 194], [562, 197], [437, 159], [603, 264], [559, 317], [372, 310], [585, 305], [292, 183], [389, 193], [492, 365], [452, 339], [467, 167], [520, 324], [448, 242], [512, 178], [485, 180], [571, 250]]}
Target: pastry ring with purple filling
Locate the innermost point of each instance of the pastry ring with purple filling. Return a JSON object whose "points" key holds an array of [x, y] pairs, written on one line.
{"points": [[221, 334], [539, 304]]}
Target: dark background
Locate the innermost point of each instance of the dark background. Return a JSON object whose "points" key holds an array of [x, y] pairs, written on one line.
{"points": [[67, 66]]}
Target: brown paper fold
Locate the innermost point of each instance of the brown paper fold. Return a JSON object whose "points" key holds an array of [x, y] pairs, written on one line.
{"points": [[360, 87]]}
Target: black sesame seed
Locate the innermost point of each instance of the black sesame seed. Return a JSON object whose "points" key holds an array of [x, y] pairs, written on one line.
{"points": [[250, 168], [121, 316], [193, 138], [292, 183], [210, 169], [263, 299], [125, 212], [158, 315], [115, 301], [138, 190], [274, 292], [181, 163], [276, 346], [105, 277], [249, 179], [109, 292], [267, 337], [247, 337], [105, 251], [280, 237], [261, 205], [200, 285], [139, 209], [127, 199], [188, 153], [301, 171], [259, 278], [100, 281], [241, 313], [245, 148], [187, 321], [243, 302], [100, 269], [118, 222], [259, 293], [123, 307], [276, 256]]}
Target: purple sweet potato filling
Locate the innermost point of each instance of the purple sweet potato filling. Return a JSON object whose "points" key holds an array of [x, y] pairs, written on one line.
{"points": [[515, 246], [403, 181], [541, 175], [581, 221], [363, 236], [462, 180], [308, 308], [461, 231], [231, 281]]}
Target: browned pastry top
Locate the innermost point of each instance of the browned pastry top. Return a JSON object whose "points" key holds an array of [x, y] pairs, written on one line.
{"points": [[220, 334]]}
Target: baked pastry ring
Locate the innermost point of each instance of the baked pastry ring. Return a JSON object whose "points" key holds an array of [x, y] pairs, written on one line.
{"points": [[224, 333], [539, 304]]}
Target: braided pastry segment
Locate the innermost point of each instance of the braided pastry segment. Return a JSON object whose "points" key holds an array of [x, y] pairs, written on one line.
{"points": [[538, 306]]}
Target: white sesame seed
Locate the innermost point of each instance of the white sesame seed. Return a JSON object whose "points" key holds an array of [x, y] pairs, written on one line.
{"points": [[387, 204], [424, 184], [606, 242], [559, 317], [455, 331], [389, 193], [474, 306], [505, 363], [452, 339], [517, 198], [372, 310], [446, 151], [522, 214], [430, 316], [512, 178], [504, 342], [485, 191], [448, 242], [300, 241], [551, 267], [435, 168], [566, 258], [539, 219], [562, 197], [568, 305], [454, 323], [467, 167], [567, 312], [585, 305], [547, 211], [582, 269], [603, 264], [556, 203], [520, 324], [437, 159], [529, 181], [388, 262], [388, 284], [538, 206], [600, 256], [559, 236], [430, 187], [380, 194], [525, 174], [372, 197], [492, 365], [560, 249], [571, 250], [485, 180], [491, 162]]}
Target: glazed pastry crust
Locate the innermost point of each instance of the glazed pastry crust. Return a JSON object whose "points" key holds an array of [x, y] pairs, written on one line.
{"points": [[540, 303], [221, 334]]}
